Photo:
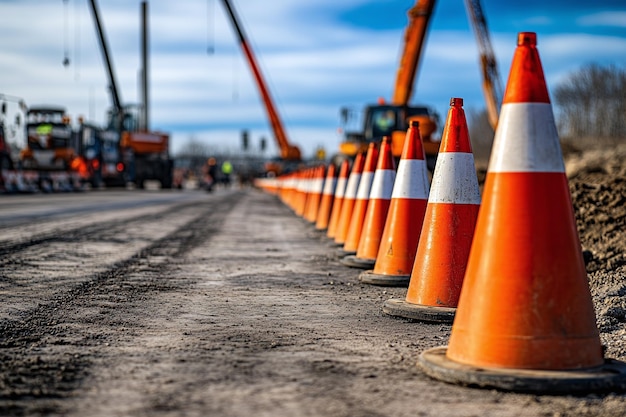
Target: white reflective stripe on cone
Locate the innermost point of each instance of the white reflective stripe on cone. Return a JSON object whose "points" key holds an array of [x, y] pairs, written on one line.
{"points": [[365, 186], [382, 187], [353, 185], [526, 140], [329, 186], [317, 185], [411, 180], [340, 190], [455, 180]]}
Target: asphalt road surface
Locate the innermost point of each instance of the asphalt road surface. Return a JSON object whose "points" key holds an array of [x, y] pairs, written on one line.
{"points": [[223, 304]]}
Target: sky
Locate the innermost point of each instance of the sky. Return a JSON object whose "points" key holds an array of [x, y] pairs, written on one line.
{"points": [[316, 56]]}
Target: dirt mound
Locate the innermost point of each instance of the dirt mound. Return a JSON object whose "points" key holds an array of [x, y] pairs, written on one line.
{"points": [[597, 179]]}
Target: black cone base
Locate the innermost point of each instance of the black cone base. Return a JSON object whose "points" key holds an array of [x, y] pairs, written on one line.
{"points": [[611, 376]]}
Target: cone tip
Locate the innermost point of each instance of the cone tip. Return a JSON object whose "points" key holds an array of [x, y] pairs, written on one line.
{"points": [[527, 39], [456, 102], [414, 123]]}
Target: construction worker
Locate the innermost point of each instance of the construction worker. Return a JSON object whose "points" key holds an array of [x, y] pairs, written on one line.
{"points": [[227, 170], [211, 174]]}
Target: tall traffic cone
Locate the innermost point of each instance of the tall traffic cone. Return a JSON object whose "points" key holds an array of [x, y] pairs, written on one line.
{"points": [[361, 202], [327, 200], [525, 319], [349, 199], [377, 208], [403, 225], [448, 229], [340, 190], [316, 187]]}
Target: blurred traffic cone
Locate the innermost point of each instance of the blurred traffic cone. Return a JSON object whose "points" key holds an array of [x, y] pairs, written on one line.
{"points": [[302, 181], [349, 199], [340, 190], [403, 225], [316, 187], [361, 202], [377, 208], [286, 189], [448, 228], [525, 319], [326, 203]]}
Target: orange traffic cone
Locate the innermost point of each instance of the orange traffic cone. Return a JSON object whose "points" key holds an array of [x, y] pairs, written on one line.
{"points": [[403, 225], [525, 320], [360, 203], [448, 229], [316, 187], [294, 194], [326, 203], [349, 199], [286, 189], [340, 190], [377, 208], [302, 181]]}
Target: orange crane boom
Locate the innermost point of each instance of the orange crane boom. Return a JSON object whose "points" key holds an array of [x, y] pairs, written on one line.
{"points": [[288, 151], [391, 119], [414, 39]]}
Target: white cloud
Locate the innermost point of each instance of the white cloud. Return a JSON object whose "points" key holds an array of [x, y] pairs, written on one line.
{"points": [[313, 64], [585, 46], [608, 18]]}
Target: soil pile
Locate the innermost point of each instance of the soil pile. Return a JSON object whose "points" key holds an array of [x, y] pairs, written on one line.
{"points": [[597, 179]]}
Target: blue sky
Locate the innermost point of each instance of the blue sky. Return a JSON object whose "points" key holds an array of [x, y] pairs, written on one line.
{"points": [[317, 56]]}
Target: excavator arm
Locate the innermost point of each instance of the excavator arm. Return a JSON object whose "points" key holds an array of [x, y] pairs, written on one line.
{"points": [[492, 85], [414, 40], [288, 151]]}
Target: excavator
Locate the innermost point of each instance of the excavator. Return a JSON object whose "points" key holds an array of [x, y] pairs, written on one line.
{"points": [[127, 151], [290, 154], [392, 119]]}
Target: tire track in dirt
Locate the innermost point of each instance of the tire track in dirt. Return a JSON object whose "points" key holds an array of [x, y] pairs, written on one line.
{"points": [[78, 232], [47, 352]]}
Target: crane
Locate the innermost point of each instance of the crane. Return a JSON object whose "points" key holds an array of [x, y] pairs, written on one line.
{"points": [[288, 151], [137, 154], [492, 84], [391, 119]]}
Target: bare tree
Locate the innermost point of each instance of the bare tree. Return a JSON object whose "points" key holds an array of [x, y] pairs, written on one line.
{"points": [[591, 102], [193, 154], [481, 134]]}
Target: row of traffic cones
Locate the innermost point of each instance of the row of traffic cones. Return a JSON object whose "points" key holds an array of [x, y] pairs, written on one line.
{"points": [[507, 271]]}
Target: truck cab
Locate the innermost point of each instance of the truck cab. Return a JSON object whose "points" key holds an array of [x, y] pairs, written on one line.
{"points": [[49, 145]]}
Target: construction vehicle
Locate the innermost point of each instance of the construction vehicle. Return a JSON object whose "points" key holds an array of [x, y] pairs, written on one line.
{"points": [[99, 155], [50, 150], [6, 163], [290, 154], [392, 119], [127, 150]]}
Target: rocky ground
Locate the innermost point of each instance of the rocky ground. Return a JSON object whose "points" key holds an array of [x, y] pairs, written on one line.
{"points": [[598, 185]]}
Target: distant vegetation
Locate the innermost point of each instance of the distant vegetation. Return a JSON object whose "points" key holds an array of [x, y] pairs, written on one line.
{"points": [[591, 103]]}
